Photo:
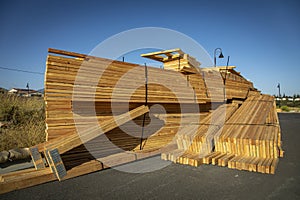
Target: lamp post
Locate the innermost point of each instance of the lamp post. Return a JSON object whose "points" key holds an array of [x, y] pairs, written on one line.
{"points": [[278, 86], [27, 86], [220, 55]]}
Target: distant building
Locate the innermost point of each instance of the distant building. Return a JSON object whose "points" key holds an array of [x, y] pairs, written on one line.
{"points": [[3, 90], [25, 92]]}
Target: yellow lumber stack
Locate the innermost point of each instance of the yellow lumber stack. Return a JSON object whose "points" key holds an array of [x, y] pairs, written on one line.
{"points": [[69, 97], [236, 85], [60, 78], [253, 134], [196, 141], [174, 59], [249, 139], [93, 105]]}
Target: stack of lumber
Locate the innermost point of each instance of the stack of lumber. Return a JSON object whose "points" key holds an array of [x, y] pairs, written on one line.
{"points": [[253, 135], [197, 139], [214, 84], [72, 101], [202, 141], [249, 139], [212, 79], [100, 113], [236, 85], [60, 79], [175, 59]]}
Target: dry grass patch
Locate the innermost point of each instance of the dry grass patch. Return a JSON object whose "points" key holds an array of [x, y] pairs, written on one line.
{"points": [[24, 120]]}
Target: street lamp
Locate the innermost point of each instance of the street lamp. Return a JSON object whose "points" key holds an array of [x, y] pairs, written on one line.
{"points": [[220, 55], [27, 86], [278, 86]]}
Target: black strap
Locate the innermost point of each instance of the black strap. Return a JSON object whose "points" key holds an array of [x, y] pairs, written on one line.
{"points": [[146, 103], [224, 90], [146, 85]]}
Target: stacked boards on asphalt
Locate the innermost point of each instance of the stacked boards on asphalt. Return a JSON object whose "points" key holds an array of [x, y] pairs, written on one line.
{"points": [[102, 113]]}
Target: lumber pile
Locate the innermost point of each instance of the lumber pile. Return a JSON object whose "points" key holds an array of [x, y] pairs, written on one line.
{"points": [[197, 139], [253, 133], [59, 86], [250, 139], [102, 113], [175, 59], [236, 85]]}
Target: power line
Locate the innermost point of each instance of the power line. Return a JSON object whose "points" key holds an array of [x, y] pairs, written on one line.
{"points": [[20, 70]]}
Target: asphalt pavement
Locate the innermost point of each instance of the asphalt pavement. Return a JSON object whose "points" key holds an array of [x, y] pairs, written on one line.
{"points": [[184, 182]]}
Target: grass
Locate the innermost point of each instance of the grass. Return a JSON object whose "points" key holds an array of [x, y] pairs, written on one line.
{"points": [[285, 108], [288, 109], [25, 121]]}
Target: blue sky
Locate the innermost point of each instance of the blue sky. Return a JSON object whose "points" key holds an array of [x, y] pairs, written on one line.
{"points": [[261, 37]]}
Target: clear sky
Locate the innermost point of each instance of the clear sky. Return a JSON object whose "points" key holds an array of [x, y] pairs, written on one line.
{"points": [[261, 37]]}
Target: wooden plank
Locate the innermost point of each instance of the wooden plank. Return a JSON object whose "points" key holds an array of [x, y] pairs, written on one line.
{"points": [[35, 177], [66, 53], [274, 165], [73, 141], [177, 50]]}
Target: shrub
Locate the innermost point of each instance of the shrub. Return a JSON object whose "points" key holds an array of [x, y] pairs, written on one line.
{"points": [[285, 108]]}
